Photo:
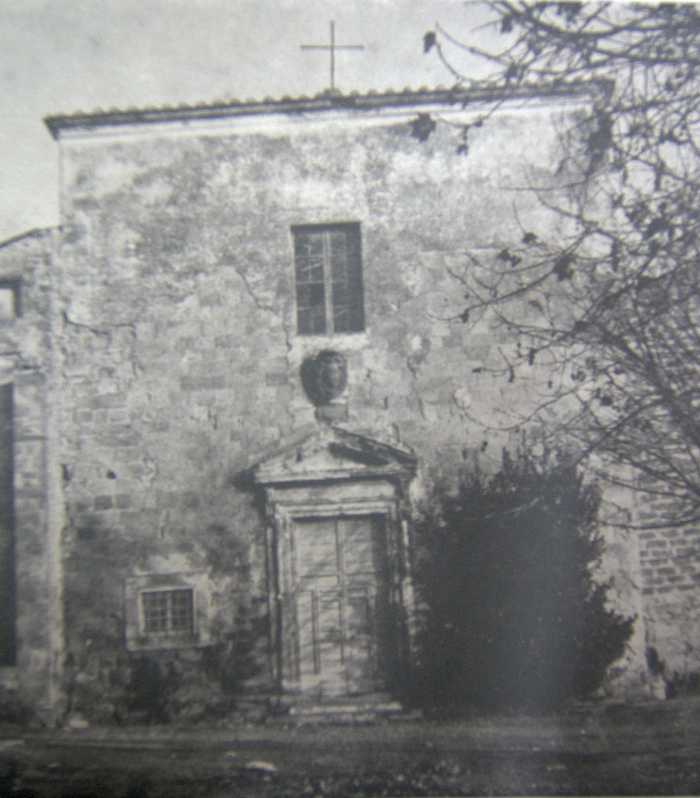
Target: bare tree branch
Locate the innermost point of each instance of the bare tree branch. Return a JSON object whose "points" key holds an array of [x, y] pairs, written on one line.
{"points": [[625, 354]]}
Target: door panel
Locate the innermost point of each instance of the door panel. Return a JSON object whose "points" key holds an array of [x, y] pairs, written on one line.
{"points": [[358, 537], [316, 550], [360, 659], [339, 567], [330, 643]]}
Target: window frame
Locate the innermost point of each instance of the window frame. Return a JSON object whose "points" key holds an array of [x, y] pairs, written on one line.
{"points": [[14, 286], [170, 628], [354, 278], [139, 638]]}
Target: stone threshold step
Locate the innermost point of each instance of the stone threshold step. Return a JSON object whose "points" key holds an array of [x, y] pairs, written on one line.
{"points": [[389, 707]]}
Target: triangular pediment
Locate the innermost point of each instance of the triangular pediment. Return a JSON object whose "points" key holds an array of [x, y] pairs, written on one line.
{"points": [[333, 453]]}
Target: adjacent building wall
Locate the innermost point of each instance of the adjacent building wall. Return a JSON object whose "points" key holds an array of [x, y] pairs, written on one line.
{"points": [[670, 569], [28, 679]]}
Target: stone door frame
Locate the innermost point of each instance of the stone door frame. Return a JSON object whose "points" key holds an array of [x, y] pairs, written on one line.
{"points": [[287, 504]]}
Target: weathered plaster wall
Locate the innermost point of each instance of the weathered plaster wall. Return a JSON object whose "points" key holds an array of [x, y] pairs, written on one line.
{"points": [[180, 362], [25, 353]]}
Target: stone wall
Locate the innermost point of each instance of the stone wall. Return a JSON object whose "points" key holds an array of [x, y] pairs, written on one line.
{"points": [[670, 568], [25, 363], [179, 362]]}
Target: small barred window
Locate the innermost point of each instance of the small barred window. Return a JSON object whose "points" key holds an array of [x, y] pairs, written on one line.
{"points": [[168, 611]]}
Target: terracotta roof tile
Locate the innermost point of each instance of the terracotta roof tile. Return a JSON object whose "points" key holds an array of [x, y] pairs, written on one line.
{"points": [[324, 101]]}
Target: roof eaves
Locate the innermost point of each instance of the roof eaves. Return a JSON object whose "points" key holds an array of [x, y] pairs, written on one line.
{"points": [[300, 105], [36, 232]]}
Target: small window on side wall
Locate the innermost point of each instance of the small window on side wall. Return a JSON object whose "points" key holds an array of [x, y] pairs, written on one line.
{"points": [[328, 271], [167, 611], [9, 300]]}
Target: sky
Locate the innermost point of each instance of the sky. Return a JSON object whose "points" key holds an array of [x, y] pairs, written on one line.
{"points": [[63, 56]]}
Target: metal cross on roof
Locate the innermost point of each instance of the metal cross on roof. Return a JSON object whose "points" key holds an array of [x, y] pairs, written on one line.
{"points": [[332, 47]]}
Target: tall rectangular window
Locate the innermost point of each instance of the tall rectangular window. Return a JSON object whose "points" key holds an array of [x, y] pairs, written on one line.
{"points": [[7, 527], [328, 269]]}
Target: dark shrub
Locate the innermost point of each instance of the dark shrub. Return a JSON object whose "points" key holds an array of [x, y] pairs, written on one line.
{"points": [[510, 615]]}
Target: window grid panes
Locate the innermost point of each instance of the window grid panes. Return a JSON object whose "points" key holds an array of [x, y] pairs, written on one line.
{"points": [[328, 268], [168, 611]]}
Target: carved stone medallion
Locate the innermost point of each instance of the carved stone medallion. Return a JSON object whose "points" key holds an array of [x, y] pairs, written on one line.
{"points": [[324, 376]]}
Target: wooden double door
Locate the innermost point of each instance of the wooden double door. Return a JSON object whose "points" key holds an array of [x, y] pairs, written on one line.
{"points": [[340, 604]]}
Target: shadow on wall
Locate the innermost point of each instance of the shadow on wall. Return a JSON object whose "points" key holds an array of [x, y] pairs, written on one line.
{"points": [[670, 685], [104, 682]]}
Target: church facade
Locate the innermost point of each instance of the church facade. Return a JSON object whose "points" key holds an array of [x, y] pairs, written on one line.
{"points": [[228, 376]]}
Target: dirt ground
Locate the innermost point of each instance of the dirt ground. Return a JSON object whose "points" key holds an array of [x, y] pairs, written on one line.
{"points": [[599, 749]]}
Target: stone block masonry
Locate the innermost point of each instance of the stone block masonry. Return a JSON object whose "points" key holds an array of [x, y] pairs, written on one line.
{"points": [[670, 567], [180, 363], [25, 365], [180, 355], [171, 346]]}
